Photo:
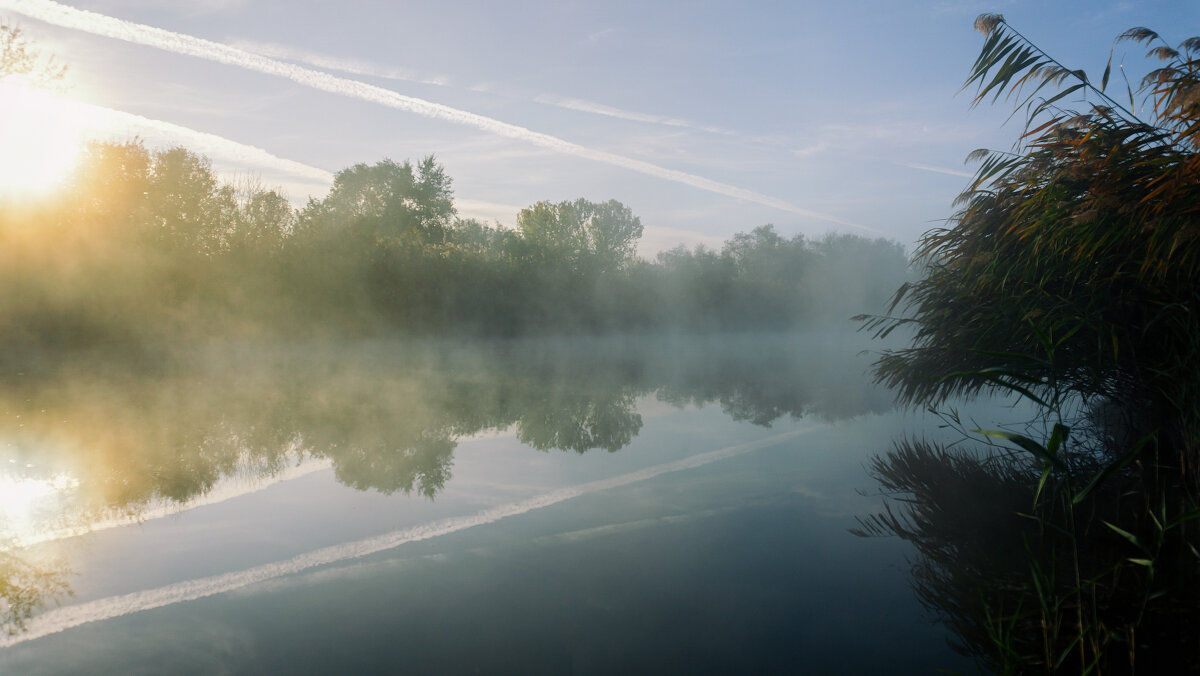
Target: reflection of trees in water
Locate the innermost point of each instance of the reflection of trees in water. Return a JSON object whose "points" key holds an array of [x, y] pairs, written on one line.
{"points": [[570, 422], [387, 417], [27, 583], [1110, 584], [422, 464]]}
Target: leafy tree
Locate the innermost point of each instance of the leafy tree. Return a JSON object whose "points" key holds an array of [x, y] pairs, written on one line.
{"points": [[385, 201], [110, 184], [848, 274], [694, 285], [600, 237], [264, 219], [769, 269], [18, 59], [190, 211]]}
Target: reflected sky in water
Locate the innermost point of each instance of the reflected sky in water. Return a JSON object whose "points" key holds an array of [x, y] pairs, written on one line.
{"points": [[511, 508]]}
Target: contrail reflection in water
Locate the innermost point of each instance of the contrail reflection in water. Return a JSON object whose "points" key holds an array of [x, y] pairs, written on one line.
{"points": [[62, 619]]}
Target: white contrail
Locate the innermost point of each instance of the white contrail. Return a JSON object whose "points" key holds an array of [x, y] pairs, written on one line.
{"points": [[179, 43], [62, 619], [355, 66], [609, 111], [330, 62], [108, 124]]}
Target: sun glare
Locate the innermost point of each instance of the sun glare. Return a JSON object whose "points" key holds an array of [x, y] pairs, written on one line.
{"points": [[41, 135], [29, 505]]}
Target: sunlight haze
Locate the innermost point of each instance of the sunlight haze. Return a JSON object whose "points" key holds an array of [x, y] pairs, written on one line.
{"points": [[41, 135], [704, 119]]}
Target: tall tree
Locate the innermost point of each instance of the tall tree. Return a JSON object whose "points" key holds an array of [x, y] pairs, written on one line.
{"points": [[385, 201], [584, 235]]}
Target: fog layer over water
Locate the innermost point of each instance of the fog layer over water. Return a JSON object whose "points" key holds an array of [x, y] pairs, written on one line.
{"points": [[676, 503]]}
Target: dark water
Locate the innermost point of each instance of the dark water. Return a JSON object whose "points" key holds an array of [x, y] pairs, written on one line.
{"points": [[588, 506]]}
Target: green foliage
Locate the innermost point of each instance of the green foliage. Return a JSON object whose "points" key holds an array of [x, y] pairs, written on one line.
{"points": [[1073, 263], [386, 414], [150, 247], [1102, 585], [1069, 276], [384, 202], [26, 585], [582, 235]]}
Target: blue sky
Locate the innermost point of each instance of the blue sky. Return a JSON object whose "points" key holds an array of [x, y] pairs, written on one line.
{"points": [[706, 118]]}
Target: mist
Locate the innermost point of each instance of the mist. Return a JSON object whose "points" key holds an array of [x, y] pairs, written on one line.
{"points": [[148, 250]]}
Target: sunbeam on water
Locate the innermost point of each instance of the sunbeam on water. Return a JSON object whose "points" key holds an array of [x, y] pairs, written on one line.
{"points": [[25, 501]]}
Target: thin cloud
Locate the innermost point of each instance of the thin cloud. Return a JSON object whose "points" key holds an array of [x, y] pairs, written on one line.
{"points": [[656, 239], [584, 106], [338, 63], [602, 35], [938, 170], [808, 151], [99, 24], [106, 124], [372, 69], [189, 9], [609, 111], [61, 619], [493, 212]]}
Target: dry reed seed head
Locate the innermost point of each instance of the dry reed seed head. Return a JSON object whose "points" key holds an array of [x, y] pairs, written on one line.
{"points": [[986, 23], [1138, 34], [1163, 53]]}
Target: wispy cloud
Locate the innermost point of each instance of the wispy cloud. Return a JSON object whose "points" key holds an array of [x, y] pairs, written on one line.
{"points": [[969, 8], [111, 607], [609, 111], [191, 8], [938, 170], [106, 124], [873, 134], [1102, 13], [372, 69], [808, 151], [487, 211], [603, 35], [99, 24], [338, 63], [656, 239]]}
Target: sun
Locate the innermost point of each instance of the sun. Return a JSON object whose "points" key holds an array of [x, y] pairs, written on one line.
{"points": [[41, 136]]}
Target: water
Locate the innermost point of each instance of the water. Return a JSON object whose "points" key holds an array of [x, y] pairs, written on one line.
{"points": [[569, 506]]}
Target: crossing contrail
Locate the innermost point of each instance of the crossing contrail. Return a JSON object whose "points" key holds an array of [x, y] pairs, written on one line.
{"points": [[179, 43], [355, 66], [61, 619]]}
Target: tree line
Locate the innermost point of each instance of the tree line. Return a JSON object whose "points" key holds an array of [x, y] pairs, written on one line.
{"points": [[148, 244]]}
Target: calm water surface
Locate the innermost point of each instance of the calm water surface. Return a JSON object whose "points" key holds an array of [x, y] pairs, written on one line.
{"points": [[588, 506]]}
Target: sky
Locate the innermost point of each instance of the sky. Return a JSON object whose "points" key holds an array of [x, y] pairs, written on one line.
{"points": [[705, 118]]}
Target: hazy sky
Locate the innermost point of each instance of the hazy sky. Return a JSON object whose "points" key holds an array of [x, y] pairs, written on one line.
{"points": [[706, 118]]}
